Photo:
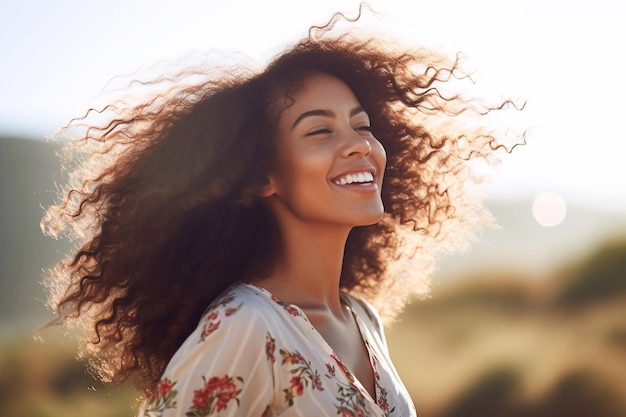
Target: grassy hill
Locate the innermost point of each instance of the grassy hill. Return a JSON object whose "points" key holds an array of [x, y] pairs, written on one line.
{"points": [[28, 171]]}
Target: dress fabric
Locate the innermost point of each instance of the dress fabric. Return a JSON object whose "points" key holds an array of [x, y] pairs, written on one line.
{"points": [[253, 355]]}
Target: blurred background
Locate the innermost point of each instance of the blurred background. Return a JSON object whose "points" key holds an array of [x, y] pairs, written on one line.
{"points": [[530, 322]]}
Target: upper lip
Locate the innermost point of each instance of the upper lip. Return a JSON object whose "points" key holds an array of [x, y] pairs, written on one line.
{"points": [[355, 170]]}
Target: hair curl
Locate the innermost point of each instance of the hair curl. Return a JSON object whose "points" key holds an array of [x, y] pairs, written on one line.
{"points": [[165, 197]]}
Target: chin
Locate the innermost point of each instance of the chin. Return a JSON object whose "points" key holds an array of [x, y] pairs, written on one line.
{"points": [[371, 219]]}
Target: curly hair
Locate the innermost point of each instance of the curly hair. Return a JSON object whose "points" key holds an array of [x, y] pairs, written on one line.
{"points": [[165, 198]]}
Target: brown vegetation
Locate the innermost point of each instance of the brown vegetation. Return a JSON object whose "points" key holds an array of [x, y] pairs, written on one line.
{"points": [[504, 346]]}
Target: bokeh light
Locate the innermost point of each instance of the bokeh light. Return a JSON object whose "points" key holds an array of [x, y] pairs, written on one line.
{"points": [[549, 209]]}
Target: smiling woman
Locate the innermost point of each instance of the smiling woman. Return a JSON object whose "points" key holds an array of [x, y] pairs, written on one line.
{"points": [[243, 230]]}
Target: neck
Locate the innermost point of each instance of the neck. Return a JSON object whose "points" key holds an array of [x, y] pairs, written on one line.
{"points": [[308, 269]]}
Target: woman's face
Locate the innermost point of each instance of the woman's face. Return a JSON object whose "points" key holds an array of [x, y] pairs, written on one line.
{"points": [[329, 165]]}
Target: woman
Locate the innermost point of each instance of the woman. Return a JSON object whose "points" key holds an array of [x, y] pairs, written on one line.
{"points": [[242, 231]]}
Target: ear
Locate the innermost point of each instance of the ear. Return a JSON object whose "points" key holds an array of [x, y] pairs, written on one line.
{"points": [[269, 188]]}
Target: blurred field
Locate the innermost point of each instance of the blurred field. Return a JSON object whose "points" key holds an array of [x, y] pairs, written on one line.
{"points": [[497, 344], [505, 346], [45, 380]]}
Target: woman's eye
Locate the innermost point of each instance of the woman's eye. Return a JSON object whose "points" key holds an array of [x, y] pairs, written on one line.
{"points": [[365, 128], [323, 131]]}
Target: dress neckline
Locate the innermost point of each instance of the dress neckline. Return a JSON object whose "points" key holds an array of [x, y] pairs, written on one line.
{"points": [[296, 311]]}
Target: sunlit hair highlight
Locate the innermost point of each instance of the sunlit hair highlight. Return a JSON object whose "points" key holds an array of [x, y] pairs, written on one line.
{"points": [[164, 195]]}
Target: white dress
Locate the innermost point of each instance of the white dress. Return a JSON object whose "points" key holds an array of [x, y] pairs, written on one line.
{"points": [[253, 355]]}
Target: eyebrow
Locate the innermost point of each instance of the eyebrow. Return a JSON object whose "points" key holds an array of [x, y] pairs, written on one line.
{"points": [[325, 113]]}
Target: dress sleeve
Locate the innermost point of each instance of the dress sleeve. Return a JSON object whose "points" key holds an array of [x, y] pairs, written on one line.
{"points": [[222, 369]]}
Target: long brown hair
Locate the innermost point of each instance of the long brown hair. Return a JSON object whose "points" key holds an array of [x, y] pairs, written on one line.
{"points": [[165, 198]]}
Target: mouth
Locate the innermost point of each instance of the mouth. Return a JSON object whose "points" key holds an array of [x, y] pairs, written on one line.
{"points": [[355, 178]]}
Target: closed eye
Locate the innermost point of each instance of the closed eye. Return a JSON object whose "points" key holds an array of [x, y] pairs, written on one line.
{"points": [[364, 128], [319, 132]]}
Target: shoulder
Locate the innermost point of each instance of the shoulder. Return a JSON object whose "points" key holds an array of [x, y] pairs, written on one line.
{"points": [[220, 361], [237, 318], [239, 310]]}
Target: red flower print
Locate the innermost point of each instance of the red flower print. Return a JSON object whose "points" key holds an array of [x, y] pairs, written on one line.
{"points": [[358, 412], [343, 367], [164, 387], [317, 383], [214, 396], [212, 321], [302, 373], [297, 384], [208, 329], [200, 398], [382, 400], [382, 403], [292, 358], [292, 310], [224, 301], [270, 347], [351, 401], [330, 369], [346, 413], [375, 367], [232, 310], [161, 398]]}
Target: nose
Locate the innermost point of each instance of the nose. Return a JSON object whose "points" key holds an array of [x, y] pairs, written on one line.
{"points": [[356, 145]]}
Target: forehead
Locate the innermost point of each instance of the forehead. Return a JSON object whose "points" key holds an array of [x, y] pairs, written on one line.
{"points": [[317, 91]]}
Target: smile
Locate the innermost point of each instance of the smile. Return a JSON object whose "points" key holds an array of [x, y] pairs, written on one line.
{"points": [[356, 178]]}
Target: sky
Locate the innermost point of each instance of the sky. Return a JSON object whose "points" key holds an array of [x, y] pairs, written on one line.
{"points": [[564, 58]]}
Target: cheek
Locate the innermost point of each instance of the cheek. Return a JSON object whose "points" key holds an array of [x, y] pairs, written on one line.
{"points": [[379, 156], [301, 170], [310, 171], [309, 158]]}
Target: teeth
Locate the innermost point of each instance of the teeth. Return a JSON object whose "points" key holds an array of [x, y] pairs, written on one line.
{"points": [[361, 177]]}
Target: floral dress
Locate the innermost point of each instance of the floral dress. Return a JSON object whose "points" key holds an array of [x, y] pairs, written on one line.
{"points": [[253, 355]]}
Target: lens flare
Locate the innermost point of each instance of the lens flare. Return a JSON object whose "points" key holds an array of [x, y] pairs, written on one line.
{"points": [[549, 209]]}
